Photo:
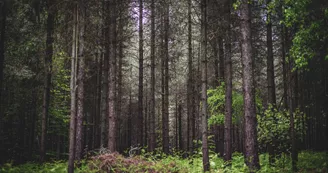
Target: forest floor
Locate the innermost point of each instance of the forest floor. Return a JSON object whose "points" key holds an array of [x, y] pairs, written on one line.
{"points": [[308, 161]]}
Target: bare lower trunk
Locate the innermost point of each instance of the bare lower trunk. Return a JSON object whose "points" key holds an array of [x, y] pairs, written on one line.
{"points": [[47, 79], [73, 94], [292, 105], [206, 164], [190, 103], [105, 69], [228, 91], [80, 87], [250, 133], [140, 88], [152, 140], [3, 19], [270, 76], [119, 82], [166, 80], [112, 117]]}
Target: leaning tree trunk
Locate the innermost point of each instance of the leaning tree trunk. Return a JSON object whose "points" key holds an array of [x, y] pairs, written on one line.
{"points": [[206, 164], [73, 93], [47, 79], [80, 86], [250, 133]]}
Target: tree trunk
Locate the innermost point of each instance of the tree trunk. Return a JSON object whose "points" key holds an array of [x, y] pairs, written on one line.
{"points": [[80, 85], [270, 62], [180, 127], [140, 88], [190, 103], [3, 19], [112, 117], [152, 141], [292, 105], [284, 36], [166, 80], [120, 78], [251, 153], [73, 93], [206, 164], [176, 123], [228, 90], [47, 79], [97, 122], [105, 73], [270, 76]]}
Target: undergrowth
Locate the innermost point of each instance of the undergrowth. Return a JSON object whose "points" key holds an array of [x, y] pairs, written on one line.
{"points": [[308, 161]]}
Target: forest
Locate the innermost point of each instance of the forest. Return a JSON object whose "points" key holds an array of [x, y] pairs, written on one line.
{"points": [[163, 86]]}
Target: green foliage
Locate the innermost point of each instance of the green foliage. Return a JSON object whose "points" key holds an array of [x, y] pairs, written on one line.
{"points": [[308, 161], [216, 101], [311, 34], [60, 92], [274, 127], [55, 167]]}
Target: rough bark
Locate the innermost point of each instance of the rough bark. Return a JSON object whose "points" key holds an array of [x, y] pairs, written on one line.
{"points": [[228, 89], [47, 79], [73, 94], [292, 105], [284, 66], [180, 127], [105, 69], [97, 118], [120, 79], [190, 103], [206, 164], [270, 76], [80, 85], [166, 80], [270, 62], [3, 19], [250, 133], [141, 75], [152, 140], [112, 117]]}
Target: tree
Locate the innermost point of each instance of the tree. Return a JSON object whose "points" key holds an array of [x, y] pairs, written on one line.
{"points": [[270, 72], [228, 89], [251, 153], [165, 116], [206, 164], [270, 61], [152, 141], [105, 73], [2, 58], [141, 68], [80, 82], [112, 117], [47, 79], [73, 91], [190, 101]]}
